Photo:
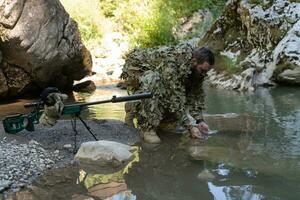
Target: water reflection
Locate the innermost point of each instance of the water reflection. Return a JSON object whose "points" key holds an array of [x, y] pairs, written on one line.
{"points": [[78, 182], [234, 192], [275, 110], [167, 172], [107, 186], [103, 111]]}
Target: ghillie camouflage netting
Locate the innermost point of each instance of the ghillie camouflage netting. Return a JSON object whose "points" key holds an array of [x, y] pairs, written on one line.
{"points": [[163, 71]]}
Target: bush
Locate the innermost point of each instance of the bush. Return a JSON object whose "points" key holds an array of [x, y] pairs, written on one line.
{"points": [[147, 22], [150, 22], [228, 65]]}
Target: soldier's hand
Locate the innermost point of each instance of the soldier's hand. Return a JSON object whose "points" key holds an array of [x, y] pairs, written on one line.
{"points": [[203, 127], [195, 133]]}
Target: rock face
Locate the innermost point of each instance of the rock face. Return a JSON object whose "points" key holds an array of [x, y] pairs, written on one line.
{"points": [[258, 42], [39, 46]]}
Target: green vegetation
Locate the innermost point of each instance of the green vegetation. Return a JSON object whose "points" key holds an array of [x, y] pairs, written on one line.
{"points": [[147, 22], [150, 22], [229, 66]]}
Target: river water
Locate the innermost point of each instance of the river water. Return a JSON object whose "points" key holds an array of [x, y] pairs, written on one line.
{"points": [[254, 155]]}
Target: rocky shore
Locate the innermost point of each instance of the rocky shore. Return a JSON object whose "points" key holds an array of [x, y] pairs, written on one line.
{"points": [[28, 155]]}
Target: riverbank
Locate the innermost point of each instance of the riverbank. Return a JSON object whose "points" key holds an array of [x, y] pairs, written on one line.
{"points": [[27, 155]]}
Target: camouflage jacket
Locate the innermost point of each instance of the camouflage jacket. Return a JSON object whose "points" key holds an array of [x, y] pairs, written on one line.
{"points": [[166, 72]]}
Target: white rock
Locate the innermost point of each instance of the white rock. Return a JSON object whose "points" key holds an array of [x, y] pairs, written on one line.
{"points": [[104, 153], [33, 142], [67, 146], [290, 76]]}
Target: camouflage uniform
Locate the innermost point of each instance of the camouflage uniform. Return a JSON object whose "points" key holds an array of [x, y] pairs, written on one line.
{"points": [[53, 110], [166, 72]]}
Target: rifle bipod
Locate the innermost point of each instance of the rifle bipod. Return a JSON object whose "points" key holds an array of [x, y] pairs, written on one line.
{"points": [[74, 122]]}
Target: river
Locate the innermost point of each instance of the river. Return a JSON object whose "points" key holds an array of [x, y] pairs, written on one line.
{"points": [[255, 154]]}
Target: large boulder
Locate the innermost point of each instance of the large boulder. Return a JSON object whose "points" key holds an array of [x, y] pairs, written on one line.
{"points": [[40, 45], [256, 44], [3, 85]]}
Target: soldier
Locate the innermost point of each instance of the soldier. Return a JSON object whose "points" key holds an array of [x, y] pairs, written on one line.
{"points": [[174, 76], [53, 100]]}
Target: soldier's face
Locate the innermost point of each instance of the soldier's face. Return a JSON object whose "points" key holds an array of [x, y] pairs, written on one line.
{"points": [[203, 68]]}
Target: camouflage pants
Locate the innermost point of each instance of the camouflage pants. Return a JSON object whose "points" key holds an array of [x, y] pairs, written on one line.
{"points": [[150, 112]]}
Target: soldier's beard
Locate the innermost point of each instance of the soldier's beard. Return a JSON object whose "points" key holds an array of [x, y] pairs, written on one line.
{"points": [[195, 79], [197, 75]]}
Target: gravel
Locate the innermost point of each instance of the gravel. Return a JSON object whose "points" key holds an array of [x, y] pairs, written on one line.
{"points": [[21, 163]]}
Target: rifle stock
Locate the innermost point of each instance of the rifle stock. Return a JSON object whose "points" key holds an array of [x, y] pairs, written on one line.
{"points": [[38, 104]]}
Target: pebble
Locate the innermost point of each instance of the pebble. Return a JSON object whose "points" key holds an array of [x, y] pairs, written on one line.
{"points": [[67, 146], [4, 184]]}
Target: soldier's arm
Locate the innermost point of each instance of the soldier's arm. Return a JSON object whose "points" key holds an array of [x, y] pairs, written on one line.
{"points": [[186, 113], [195, 106]]}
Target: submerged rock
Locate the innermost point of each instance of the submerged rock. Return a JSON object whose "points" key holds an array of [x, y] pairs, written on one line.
{"points": [[104, 191], [241, 153], [81, 197]]}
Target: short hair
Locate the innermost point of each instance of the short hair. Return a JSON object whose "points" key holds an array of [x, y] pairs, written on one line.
{"points": [[204, 54]]}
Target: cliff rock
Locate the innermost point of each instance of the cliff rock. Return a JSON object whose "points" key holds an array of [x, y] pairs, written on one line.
{"points": [[256, 43]]}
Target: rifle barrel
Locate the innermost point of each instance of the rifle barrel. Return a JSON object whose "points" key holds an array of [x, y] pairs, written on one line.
{"points": [[33, 104], [116, 99], [113, 100]]}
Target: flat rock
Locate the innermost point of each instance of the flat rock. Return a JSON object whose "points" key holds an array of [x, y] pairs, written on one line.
{"points": [[104, 153]]}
